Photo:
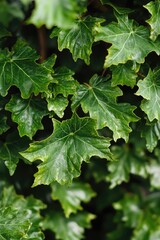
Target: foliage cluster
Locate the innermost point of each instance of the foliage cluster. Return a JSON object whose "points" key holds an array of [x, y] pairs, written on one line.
{"points": [[79, 119]]}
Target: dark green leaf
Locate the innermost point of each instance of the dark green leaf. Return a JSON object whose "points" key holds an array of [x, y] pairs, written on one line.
{"points": [[18, 68], [79, 39], [9, 150], [57, 104], [99, 99], [27, 114], [72, 142], [3, 125]]}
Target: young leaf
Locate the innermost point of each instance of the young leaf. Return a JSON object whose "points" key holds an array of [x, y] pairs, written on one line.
{"points": [[68, 228], [73, 141], [149, 88], [154, 8], [123, 74], [151, 133], [27, 113], [129, 41], [71, 197], [127, 162], [19, 217], [61, 13], [18, 68], [99, 99], [79, 39], [9, 150], [57, 104]]}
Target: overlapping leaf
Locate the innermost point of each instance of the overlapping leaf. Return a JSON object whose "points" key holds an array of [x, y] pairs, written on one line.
{"points": [[61, 13], [149, 89], [154, 10], [3, 124], [128, 162], [99, 99], [18, 68], [151, 133], [27, 113], [19, 217], [9, 150], [72, 142], [129, 41], [79, 39], [123, 74], [71, 197], [68, 228]]}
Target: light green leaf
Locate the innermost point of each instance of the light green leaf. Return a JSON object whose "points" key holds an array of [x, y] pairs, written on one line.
{"points": [[99, 99], [61, 13], [71, 197], [123, 74], [128, 162], [19, 217], [149, 88], [9, 150], [154, 10], [151, 133], [3, 125], [68, 228], [153, 170], [129, 41], [57, 104], [73, 141], [79, 39], [27, 113], [18, 68]]}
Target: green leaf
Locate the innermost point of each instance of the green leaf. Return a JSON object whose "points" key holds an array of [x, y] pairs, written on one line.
{"points": [[129, 41], [64, 83], [68, 228], [79, 39], [71, 197], [149, 88], [57, 104], [10, 11], [128, 162], [154, 9], [19, 216], [18, 68], [3, 125], [123, 74], [61, 13], [4, 32], [73, 141], [153, 170], [27, 113], [99, 99], [151, 133], [9, 150]]}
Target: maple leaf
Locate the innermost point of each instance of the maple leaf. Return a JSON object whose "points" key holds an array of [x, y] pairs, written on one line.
{"points": [[73, 141], [154, 10], [68, 228], [18, 68], [61, 13], [79, 39], [27, 113], [149, 89], [129, 41], [99, 99], [70, 197]]}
